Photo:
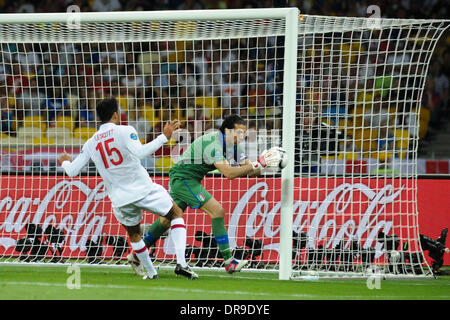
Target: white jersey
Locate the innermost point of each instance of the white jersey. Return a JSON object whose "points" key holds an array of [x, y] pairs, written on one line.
{"points": [[117, 153]]}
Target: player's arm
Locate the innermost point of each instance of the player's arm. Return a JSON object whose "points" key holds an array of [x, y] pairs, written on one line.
{"points": [[233, 172], [254, 173], [269, 158], [73, 168], [144, 150]]}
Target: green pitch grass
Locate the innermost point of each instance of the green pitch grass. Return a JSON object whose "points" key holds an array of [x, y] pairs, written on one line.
{"points": [[37, 282]]}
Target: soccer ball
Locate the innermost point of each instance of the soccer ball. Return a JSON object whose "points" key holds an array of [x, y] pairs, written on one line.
{"points": [[284, 158]]}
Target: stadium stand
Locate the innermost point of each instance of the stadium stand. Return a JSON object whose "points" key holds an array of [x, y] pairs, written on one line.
{"points": [[68, 109]]}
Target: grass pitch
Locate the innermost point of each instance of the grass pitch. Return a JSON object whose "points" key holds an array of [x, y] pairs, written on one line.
{"points": [[42, 282]]}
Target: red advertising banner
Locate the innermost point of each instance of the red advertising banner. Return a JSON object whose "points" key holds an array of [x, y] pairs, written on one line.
{"points": [[434, 209], [330, 211]]}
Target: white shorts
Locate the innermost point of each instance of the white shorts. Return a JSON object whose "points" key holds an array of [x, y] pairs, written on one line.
{"points": [[158, 201]]}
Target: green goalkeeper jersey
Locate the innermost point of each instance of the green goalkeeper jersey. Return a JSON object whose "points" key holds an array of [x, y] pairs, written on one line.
{"points": [[199, 158]]}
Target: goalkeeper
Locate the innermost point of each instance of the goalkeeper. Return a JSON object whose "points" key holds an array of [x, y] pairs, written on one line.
{"points": [[216, 150]]}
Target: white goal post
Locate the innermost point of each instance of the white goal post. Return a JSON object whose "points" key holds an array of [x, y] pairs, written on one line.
{"points": [[323, 88]]}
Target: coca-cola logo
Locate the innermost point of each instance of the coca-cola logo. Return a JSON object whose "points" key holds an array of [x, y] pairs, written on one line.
{"points": [[58, 201], [323, 225], [74, 207]]}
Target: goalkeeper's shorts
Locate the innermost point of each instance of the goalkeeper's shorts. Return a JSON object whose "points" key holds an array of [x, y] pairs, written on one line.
{"points": [[188, 192]]}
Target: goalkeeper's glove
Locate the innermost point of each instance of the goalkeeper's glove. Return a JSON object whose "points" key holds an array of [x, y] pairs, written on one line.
{"points": [[268, 158], [260, 162]]}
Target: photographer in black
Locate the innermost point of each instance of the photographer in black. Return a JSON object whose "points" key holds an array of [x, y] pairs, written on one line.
{"points": [[314, 138]]}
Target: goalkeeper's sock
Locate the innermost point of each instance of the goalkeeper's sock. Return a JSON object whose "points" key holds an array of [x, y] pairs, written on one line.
{"points": [[154, 233], [141, 252], [221, 235], [178, 234]]}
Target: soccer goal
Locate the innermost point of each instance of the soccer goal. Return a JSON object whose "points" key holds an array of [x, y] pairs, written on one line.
{"points": [[341, 95]]}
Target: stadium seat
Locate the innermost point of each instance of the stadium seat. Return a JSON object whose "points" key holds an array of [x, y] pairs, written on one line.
{"points": [[83, 133], [365, 139], [73, 104], [125, 102], [178, 115], [350, 52], [184, 28], [424, 119], [401, 139], [346, 125], [382, 156], [34, 121], [401, 142], [358, 116], [58, 133], [164, 164], [42, 141], [171, 142], [65, 122], [348, 156], [211, 105], [145, 61], [326, 50], [15, 123], [365, 98], [151, 115], [273, 111], [71, 142], [8, 143], [27, 133], [172, 57]]}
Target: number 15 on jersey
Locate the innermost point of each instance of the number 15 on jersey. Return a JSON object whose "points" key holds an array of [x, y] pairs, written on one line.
{"points": [[112, 154]]}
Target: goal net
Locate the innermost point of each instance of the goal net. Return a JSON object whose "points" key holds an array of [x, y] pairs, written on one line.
{"points": [[359, 119], [196, 67], [346, 103]]}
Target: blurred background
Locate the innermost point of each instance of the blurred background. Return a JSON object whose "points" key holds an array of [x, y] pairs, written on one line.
{"points": [[26, 78]]}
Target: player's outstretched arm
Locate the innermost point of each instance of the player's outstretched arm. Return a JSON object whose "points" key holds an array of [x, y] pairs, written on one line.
{"points": [[255, 172], [269, 158], [145, 150], [73, 168], [233, 172]]}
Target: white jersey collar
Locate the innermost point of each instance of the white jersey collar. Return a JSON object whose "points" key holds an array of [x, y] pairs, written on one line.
{"points": [[107, 125]]}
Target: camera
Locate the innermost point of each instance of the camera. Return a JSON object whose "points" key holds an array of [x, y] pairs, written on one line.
{"points": [[33, 247], [389, 242], [56, 239], [436, 249], [255, 250], [119, 246], [94, 249], [207, 254]]}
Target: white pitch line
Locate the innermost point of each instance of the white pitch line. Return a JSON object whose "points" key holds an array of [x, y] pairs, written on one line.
{"points": [[183, 290]]}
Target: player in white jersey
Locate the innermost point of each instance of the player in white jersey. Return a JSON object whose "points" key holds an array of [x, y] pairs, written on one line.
{"points": [[117, 152]]}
